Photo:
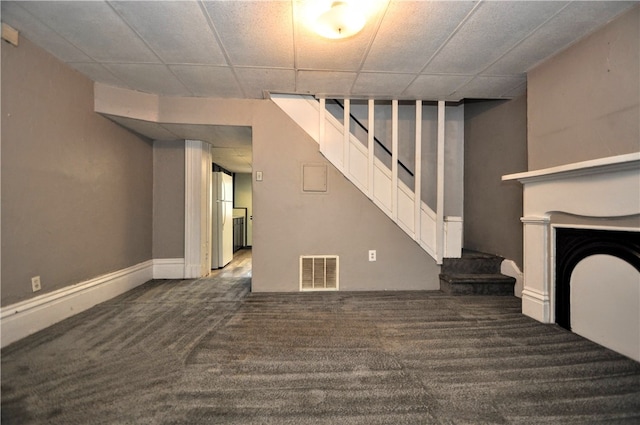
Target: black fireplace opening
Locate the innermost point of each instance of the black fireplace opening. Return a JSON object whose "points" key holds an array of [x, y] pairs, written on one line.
{"points": [[574, 245]]}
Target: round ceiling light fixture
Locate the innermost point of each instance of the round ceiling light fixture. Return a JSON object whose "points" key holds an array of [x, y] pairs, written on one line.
{"points": [[341, 20]]}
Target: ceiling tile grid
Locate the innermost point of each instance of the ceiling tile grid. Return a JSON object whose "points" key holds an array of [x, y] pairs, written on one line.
{"points": [[94, 28], [208, 81], [492, 29], [236, 48], [570, 24], [178, 32], [483, 87], [440, 87], [430, 50], [256, 81], [98, 72], [381, 84], [40, 33], [254, 33], [325, 82], [411, 33], [149, 78]]}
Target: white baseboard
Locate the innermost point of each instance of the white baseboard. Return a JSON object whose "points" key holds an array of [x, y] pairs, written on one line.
{"points": [[510, 268], [537, 305], [27, 317], [168, 268]]}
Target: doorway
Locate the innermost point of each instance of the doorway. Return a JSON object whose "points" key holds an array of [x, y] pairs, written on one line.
{"points": [[230, 148], [231, 213]]}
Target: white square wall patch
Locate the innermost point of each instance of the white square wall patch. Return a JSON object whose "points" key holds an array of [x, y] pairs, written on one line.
{"points": [[314, 178]]}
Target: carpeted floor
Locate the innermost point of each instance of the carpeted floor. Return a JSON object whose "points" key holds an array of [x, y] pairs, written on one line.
{"points": [[207, 351]]}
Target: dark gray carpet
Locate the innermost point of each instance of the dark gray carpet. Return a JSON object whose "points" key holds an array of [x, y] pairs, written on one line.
{"points": [[208, 352]]}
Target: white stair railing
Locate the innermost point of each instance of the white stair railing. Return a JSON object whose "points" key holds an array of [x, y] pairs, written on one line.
{"points": [[438, 235]]}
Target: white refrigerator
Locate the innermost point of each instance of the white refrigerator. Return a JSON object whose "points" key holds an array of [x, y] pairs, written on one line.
{"points": [[222, 217]]}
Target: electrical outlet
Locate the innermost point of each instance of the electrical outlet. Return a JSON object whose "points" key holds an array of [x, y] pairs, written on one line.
{"points": [[35, 283], [372, 255]]}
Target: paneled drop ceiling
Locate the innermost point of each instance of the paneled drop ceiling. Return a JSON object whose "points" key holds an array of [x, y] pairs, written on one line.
{"points": [[432, 50], [231, 145]]}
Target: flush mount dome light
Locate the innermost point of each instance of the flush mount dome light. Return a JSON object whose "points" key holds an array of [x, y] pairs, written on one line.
{"points": [[340, 20]]}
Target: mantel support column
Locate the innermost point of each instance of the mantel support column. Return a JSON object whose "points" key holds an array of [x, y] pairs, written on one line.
{"points": [[537, 294]]}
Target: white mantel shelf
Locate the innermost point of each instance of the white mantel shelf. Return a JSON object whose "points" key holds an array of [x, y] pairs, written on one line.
{"points": [[596, 166]]}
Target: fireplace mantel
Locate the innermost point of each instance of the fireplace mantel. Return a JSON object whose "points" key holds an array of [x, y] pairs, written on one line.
{"points": [[602, 165], [604, 190]]}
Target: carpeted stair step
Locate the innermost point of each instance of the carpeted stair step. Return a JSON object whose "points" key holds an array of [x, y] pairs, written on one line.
{"points": [[476, 284], [472, 262]]}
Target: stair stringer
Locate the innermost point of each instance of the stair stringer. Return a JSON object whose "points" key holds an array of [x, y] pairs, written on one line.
{"points": [[329, 134]]}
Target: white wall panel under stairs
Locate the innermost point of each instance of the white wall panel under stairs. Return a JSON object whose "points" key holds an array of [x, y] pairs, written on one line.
{"points": [[439, 235]]}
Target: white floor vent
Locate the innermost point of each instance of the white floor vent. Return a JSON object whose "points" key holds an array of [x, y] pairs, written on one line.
{"points": [[319, 272]]}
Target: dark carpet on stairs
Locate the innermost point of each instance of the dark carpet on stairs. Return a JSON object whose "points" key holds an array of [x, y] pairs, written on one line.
{"points": [[207, 351]]}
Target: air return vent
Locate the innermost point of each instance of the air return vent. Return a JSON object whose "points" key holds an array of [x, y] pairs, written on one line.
{"points": [[319, 273]]}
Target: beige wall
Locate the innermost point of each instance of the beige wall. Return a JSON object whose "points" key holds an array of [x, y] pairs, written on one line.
{"points": [[168, 199], [76, 188], [584, 102], [288, 223], [495, 145], [243, 199], [343, 221]]}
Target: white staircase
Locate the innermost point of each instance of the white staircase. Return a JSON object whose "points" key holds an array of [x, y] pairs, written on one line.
{"points": [[438, 234]]}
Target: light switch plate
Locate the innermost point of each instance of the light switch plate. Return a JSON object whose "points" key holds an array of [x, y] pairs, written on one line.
{"points": [[35, 283]]}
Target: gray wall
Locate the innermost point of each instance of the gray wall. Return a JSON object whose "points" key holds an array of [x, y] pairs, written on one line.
{"points": [[168, 199], [583, 104], [495, 144], [289, 223], [76, 188]]}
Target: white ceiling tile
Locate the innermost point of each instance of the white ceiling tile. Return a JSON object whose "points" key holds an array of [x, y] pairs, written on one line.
{"points": [[40, 34], [232, 145], [487, 38], [570, 24], [255, 33], [323, 82], [257, 80], [97, 72], [231, 153], [208, 81], [411, 32], [183, 37], [94, 28], [231, 136], [235, 160], [152, 130], [488, 87], [490, 32], [381, 84], [222, 136], [435, 87], [149, 78], [516, 91]]}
